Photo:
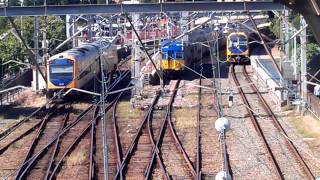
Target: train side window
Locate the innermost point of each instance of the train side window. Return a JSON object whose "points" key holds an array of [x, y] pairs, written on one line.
{"points": [[164, 56], [179, 55]]}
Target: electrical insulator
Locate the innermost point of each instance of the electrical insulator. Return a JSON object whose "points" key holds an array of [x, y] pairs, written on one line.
{"points": [[230, 100], [222, 175], [222, 124]]}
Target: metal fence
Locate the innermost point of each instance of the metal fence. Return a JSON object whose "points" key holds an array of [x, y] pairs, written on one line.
{"points": [[313, 104], [7, 96]]}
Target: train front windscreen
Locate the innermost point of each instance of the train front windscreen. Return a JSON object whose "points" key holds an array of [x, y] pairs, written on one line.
{"points": [[61, 71], [238, 44]]}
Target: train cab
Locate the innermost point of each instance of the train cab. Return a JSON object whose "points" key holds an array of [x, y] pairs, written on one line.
{"points": [[61, 71], [237, 48], [172, 58]]}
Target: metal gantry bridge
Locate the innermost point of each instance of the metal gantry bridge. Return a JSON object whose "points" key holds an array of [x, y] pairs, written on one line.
{"points": [[56, 10]]}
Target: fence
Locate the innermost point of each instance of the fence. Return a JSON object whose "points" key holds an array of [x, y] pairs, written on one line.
{"points": [[8, 95], [314, 104]]}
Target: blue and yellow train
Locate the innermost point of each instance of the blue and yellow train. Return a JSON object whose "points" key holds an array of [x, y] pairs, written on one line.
{"points": [[237, 50], [177, 55], [75, 67], [172, 55]]}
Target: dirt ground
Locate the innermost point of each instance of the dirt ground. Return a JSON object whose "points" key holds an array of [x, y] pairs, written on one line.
{"points": [[28, 102], [308, 127]]}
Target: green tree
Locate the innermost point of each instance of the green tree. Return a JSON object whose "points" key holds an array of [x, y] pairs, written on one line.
{"points": [[14, 2], [3, 25]]}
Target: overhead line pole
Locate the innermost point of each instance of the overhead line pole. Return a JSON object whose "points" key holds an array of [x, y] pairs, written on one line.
{"points": [[103, 118], [143, 47], [36, 47]]}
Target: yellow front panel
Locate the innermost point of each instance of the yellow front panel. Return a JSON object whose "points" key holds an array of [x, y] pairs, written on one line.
{"points": [[177, 65], [165, 64]]}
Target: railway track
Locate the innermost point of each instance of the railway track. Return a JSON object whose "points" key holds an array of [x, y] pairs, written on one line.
{"points": [[56, 138], [149, 146], [50, 127], [210, 156], [168, 155], [270, 131]]}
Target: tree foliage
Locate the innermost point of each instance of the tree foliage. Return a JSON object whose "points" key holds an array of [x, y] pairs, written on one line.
{"points": [[313, 47]]}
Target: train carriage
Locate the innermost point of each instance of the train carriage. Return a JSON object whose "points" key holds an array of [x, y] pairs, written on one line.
{"points": [[177, 55], [74, 68]]}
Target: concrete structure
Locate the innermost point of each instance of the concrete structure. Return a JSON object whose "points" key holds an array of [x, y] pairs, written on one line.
{"points": [[36, 78]]}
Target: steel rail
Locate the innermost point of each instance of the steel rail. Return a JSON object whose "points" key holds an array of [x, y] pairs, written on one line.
{"points": [[65, 130], [155, 149], [279, 127], [136, 137], [8, 131], [4, 148], [119, 151], [56, 147], [34, 143], [257, 126], [31, 164], [91, 172], [71, 147], [175, 136]]}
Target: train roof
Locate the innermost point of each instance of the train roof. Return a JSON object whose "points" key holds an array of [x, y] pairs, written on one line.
{"points": [[237, 33], [87, 49], [171, 44]]}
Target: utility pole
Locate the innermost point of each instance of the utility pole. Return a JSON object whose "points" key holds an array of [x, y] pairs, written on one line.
{"points": [[74, 30], [303, 66], [295, 57], [286, 36], [36, 48], [135, 61], [68, 25], [71, 29], [103, 118], [45, 44]]}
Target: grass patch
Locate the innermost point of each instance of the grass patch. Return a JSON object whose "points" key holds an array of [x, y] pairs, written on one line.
{"points": [[77, 157], [307, 126], [15, 145], [124, 110], [191, 98], [185, 118], [205, 101]]}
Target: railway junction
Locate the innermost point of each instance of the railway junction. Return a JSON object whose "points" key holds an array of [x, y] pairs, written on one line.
{"points": [[160, 90]]}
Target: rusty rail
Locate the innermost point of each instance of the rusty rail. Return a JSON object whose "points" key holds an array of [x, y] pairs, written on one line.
{"points": [[26, 163], [135, 139], [56, 147], [256, 125], [276, 123], [71, 147], [177, 140], [155, 149]]}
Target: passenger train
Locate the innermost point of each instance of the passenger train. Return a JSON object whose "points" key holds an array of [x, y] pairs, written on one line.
{"points": [[237, 49], [74, 68], [176, 55]]}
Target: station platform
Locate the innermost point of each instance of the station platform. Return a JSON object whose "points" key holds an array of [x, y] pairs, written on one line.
{"points": [[264, 68]]}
